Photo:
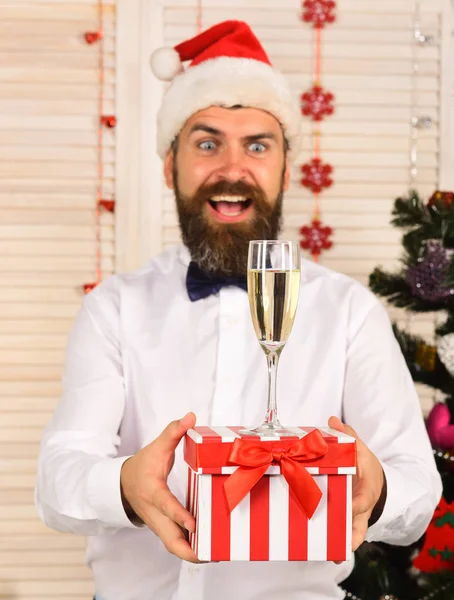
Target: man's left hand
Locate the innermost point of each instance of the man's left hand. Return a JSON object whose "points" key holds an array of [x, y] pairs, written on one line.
{"points": [[368, 483]]}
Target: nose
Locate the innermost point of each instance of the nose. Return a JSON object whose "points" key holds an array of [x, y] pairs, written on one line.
{"points": [[233, 166]]}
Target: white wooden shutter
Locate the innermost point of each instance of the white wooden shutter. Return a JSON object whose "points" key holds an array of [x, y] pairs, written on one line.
{"points": [[48, 175], [368, 57]]}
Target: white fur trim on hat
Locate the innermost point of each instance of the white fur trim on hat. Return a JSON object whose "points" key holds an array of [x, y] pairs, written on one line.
{"points": [[226, 81]]}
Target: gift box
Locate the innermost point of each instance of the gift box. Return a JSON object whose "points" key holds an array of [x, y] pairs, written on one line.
{"points": [[287, 498]]}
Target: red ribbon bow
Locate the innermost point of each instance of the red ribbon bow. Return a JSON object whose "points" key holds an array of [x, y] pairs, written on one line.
{"points": [[254, 459]]}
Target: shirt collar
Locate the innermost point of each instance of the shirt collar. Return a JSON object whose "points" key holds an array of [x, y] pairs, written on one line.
{"points": [[184, 258]]}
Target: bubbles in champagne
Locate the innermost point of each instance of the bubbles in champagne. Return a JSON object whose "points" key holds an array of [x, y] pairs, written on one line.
{"points": [[273, 298]]}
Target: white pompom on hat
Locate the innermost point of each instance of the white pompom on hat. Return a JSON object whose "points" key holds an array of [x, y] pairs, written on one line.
{"points": [[166, 63], [229, 68]]}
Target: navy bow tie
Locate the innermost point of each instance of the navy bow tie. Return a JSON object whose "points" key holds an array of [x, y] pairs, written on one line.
{"points": [[201, 284]]}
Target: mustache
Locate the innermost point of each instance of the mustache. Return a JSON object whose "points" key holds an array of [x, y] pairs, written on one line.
{"points": [[237, 188]]}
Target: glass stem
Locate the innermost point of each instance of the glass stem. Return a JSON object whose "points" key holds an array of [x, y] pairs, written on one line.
{"points": [[272, 358]]}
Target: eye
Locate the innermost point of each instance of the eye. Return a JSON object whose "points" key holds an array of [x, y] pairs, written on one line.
{"points": [[207, 145], [257, 147]]}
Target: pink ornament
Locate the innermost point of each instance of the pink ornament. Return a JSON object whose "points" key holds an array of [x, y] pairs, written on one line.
{"points": [[316, 175], [319, 12], [441, 432], [317, 103]]}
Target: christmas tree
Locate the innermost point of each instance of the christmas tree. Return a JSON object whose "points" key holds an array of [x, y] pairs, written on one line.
{"points": [[424, 284]]}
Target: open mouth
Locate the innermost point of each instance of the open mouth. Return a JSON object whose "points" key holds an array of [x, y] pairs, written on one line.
{"points": [[229, 207]]}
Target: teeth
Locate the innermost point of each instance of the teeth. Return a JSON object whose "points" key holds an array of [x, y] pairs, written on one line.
{"points": [[229, 199]]}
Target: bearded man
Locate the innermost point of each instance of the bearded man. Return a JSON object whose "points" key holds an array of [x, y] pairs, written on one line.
{"points": [[175, 338]]}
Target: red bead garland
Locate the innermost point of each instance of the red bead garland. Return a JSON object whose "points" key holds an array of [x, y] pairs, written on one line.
{"points": [[108, 205], [88, 287], [91, 37], [317, 103], [104, 121], [109, 121]]}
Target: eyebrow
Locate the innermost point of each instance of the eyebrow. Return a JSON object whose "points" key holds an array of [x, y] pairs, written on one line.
{"points": [[266, 135], [206, 128]]}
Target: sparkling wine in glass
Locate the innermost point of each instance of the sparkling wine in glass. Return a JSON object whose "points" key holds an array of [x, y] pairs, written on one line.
{"points": [[273, 290]]}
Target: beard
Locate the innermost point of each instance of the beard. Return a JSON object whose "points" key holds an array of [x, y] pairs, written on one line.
{"points": [[222, 248]]}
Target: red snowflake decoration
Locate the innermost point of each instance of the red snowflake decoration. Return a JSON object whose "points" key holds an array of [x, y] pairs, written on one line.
{"points": [[319, 12], [317, 103], [316, 175], [316, 237]]}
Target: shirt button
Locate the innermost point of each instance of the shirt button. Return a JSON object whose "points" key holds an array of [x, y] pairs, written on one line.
{"points": [[193, 570]]}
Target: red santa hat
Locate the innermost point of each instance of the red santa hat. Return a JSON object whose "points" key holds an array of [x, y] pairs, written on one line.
{"points": [[229, 67]]}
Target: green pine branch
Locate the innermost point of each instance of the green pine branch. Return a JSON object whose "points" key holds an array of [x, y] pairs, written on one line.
{"points": [[439, 378], [380, 568], [410, 212], [398, 292], [428, 222]]}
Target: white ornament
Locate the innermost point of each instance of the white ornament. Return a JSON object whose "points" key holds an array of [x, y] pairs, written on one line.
{"points": [[445, 349], [165, 63]]}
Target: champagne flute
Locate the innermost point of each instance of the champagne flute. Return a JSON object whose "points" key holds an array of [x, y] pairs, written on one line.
{"points": [[273, 290]]}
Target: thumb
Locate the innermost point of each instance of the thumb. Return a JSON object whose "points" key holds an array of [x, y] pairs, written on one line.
{"points": [[169, 439], [336, 423]]}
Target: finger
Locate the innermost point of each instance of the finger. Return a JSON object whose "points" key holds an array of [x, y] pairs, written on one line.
{"points": [[172, 537], [167, 504], [363, 498], [338, 425], [173, 433], [362, 504], [359, 531]]}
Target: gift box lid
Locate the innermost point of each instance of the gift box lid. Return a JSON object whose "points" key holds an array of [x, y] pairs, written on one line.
{"points": [[208, 449]]}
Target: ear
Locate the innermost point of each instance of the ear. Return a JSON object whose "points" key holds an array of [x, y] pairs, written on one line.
{"points": [[168, 169], [287, 175]]}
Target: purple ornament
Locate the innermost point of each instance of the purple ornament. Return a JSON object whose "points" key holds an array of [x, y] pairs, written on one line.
{"points": [[426, 278]]}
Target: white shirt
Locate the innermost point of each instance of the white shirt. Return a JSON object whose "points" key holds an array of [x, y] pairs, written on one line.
{"points": [[141, 354]]}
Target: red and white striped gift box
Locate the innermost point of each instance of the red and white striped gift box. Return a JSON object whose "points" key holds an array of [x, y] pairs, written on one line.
{"points": [[268, 523]]}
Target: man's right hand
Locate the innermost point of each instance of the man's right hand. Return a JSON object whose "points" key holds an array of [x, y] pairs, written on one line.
{"points": [[143, 481]]}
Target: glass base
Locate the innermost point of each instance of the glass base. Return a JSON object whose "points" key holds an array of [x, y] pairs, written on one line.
{"points": [[270, 430]]}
